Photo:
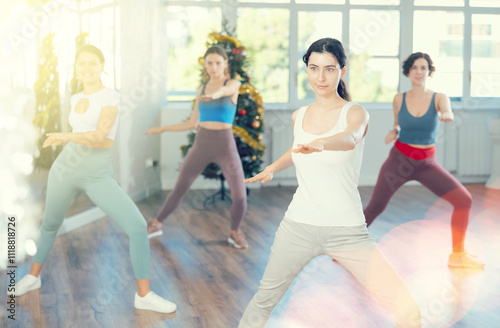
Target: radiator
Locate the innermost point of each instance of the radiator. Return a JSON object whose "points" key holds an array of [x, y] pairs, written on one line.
{"points": [[474, 150]]}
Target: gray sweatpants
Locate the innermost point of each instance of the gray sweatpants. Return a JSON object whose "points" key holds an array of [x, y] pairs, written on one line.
{"points": [[295, 244]]}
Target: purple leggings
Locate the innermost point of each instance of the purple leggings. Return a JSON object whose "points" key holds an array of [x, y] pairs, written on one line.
{"points": [[398, 169], [211, 146]]}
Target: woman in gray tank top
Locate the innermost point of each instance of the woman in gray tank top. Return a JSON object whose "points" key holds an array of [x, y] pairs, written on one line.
{"points": [[413, 156]]}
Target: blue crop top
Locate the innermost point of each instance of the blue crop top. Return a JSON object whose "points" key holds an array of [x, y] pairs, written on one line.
{"points": [[418, 130], [217, 110]]}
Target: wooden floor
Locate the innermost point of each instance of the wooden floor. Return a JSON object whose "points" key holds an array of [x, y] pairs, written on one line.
{"points": [[87, 280]]}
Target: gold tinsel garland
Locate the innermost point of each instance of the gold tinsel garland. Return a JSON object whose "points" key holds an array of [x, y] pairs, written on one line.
{"points": [[254, 94], [243, 134], [224, 38]]}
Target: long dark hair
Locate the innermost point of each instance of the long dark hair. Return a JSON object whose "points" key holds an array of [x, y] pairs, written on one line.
{"points": [[334, 47], [408, 63]]}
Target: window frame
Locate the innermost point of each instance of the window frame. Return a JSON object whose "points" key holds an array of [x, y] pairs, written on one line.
{"points": [[406, 10]]}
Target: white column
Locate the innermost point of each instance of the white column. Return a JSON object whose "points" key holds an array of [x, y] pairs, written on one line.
{"points": [[143, 93]]}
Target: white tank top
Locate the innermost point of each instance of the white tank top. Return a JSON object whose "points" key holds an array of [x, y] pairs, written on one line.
{"points": [[87, 121], [327, 194]]}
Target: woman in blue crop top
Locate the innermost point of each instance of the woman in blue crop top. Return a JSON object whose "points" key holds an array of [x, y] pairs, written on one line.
{"points": [[85, 165], [213, 116], [416, 117]]}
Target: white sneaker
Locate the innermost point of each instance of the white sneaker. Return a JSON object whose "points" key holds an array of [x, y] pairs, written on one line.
{"points": [[154, 302], [464, 260], [26, 284], [237, 239], [153, 230]]}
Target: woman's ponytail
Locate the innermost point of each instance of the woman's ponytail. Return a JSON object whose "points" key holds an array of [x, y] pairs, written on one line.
{"points": [[342, 91]]}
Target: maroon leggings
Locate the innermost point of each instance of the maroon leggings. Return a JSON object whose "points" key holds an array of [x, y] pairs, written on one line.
{"points": [[211, 146], [399, 169]]}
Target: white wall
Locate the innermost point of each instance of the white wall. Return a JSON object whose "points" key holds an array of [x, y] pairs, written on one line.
{"points": [[142, 62]]}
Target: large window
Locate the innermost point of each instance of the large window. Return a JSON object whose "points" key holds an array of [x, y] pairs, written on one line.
{"points": [[265, 33], [444, 42], [462, 37], [67, 19], [374, 50], [485, 62]]}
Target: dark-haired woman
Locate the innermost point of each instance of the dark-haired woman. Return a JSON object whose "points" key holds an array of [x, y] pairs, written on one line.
{"points": [[325, 216], [416, 120], [85, 165], [213, 116]]}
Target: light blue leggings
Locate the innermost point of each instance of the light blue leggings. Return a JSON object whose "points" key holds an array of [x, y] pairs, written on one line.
{"points": [[89, 169]]}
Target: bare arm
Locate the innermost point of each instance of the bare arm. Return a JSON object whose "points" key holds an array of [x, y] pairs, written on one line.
{"points": [[357, 125], [396, 105], [190, 124], [231, 89], [284, 162], [92, 138], [444, 108]]}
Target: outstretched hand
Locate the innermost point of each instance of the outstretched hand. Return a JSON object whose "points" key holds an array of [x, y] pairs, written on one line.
{"points": [[263, 177], [55, 139], [313, 147], [154, 130], [206, 97], [446, 117], [391, 136]]}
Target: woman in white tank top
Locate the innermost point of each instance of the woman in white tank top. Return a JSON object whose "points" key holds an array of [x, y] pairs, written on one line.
{"points": [[325, 216]]}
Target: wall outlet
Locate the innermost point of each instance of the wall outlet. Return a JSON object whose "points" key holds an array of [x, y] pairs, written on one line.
{"points": [[151, 163]]}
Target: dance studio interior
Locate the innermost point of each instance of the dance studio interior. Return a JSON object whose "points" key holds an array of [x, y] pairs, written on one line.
{"points": [[430, 174]]}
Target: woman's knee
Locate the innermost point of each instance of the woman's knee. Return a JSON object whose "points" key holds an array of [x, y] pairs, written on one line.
{"points": [[240, 201], [466, 198], [266, 300], [51, 225], [459, 198], [137, 228]]}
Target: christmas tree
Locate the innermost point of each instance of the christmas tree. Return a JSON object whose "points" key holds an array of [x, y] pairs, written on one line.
{"points": [[48, 106], [249, 121]]}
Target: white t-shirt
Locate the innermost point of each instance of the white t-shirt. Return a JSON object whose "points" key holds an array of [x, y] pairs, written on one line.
{"points": [[327, 194], [87, 121]]}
